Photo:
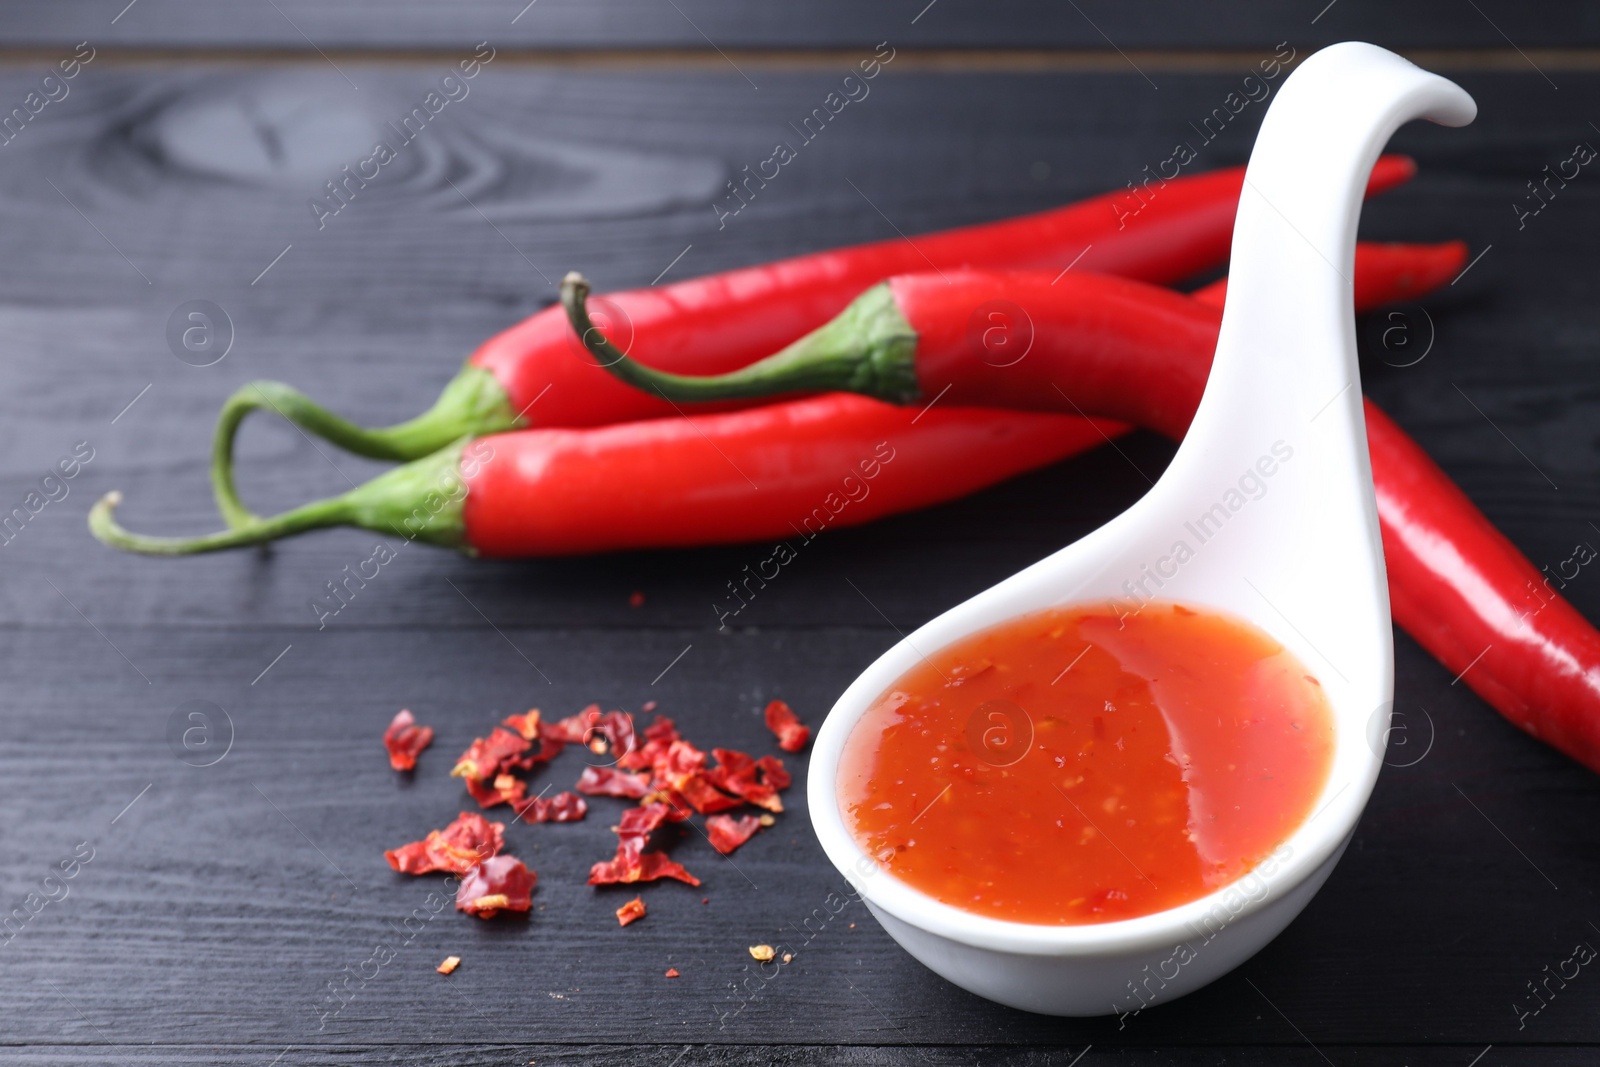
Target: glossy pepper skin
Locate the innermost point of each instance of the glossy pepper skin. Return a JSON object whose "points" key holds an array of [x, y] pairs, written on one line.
{"points": [[679, 481], [1103, 346], [535, 373], [1478, 605], [725, 321], [781, 471], [1111, 347], [1008, 339], [1474, 601]]}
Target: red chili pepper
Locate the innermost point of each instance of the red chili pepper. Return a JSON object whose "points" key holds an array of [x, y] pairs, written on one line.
{"points": [[405, 740], [1019, 339], [1479, 606], [791, 733], [535, 373], [1483, 606], [779, 471], [1385, 273], [1108, 346]]}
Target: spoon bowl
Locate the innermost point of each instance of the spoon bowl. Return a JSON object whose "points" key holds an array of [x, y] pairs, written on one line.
{"points": [[1266, 513]]}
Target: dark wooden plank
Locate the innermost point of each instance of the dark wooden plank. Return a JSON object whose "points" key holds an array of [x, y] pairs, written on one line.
{"points": [[638, 1055], [207, 923], [373, 311], [217, 909], [1100, 25]]}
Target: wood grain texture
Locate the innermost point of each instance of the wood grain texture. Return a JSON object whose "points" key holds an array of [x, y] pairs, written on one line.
{"points": [[220, 906], [1102, 25], [221, 903], [374, 310], [443, 1054]]}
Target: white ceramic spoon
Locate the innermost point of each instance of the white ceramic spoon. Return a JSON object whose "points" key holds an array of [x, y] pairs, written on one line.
{"points": [[1295, 551]]}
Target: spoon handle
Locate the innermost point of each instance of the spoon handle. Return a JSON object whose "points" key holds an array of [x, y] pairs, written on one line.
{"points": [[1286, 354]]}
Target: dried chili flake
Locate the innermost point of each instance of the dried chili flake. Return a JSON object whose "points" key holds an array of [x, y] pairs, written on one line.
{"points": [[632, 911], [773, 770], [756, 781], [682, 758], [547, 751], [530, 726], [698, 794], [636, 599], [486, 768], [681, 770], [486, 795], [505, 789], [457, 848], [499, 884], [574, 729], [510, 789], [632, 863], [610, 782], [648, 706], [672, 972], [563, 807], [763, 798], [727, 833], [792, 734], [762, 952], [405, 740], [526, 725], [617, 729], [644, 820], [658, 739], [449, 965], [612, 731], [489, 756], [732, 761], [655, 865], [679, 809], [629, 866]]}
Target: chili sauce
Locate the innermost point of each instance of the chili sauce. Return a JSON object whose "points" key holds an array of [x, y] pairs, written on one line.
{"points": [[1084, 765]]}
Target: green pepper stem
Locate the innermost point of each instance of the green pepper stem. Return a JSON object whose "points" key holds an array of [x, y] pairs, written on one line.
{"points": [[869, 348], [420, 501], [473, 403]]}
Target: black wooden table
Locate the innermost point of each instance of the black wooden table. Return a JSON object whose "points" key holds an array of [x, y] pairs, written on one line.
{"points": [[224, 895]]}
